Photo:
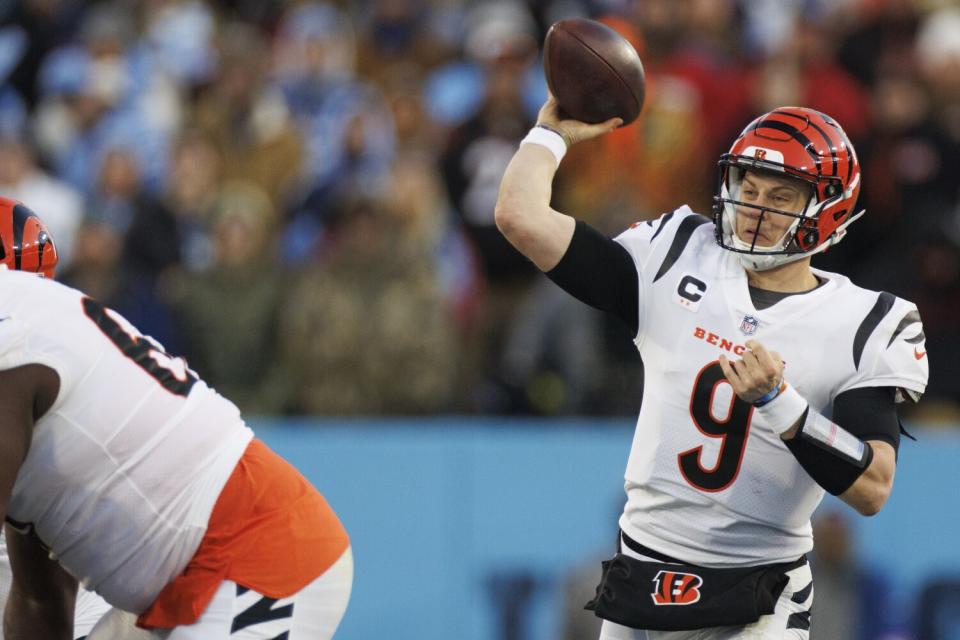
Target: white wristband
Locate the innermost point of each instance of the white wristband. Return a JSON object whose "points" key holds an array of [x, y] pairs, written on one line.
{"points": [[547, 138], [782, 412]]}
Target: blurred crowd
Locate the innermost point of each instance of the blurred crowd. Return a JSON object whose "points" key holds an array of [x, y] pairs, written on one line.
{"points": [[299, 196]]}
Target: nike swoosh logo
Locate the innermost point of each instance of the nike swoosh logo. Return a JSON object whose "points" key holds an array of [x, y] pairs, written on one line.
{"points": [[918, 354]]}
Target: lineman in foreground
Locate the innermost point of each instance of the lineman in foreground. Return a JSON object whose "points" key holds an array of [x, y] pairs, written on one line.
{"points": [[121, 469]]}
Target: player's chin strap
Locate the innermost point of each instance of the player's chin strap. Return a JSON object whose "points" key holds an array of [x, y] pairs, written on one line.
{"points": [[833, 457]]}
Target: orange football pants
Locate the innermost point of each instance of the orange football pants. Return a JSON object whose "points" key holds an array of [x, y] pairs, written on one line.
{"points": [[270, 531]]}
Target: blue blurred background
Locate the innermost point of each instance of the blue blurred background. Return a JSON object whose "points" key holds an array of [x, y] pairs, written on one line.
{"points": [[298, 197], [488, 529]]}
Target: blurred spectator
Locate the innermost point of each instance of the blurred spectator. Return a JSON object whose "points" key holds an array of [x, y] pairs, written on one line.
{"points": [[564, 358], [913, 154], [768, 23], [21, 178], [395, 33], [345, 122], [698, 44], [119, 196], [910, 186], [938, 58], [473, 163], [229, 313], [491, 32], [97, 270], [415, 130], [881, 38], [176, 231], [180, 36], [803, 70], [138, 111], [248, 119], [552, 354], [366, 330], [418, 202], [96, 95], [849, 600], [38, 27]]}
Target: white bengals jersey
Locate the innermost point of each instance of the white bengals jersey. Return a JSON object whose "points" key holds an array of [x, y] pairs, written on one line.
{"points": [[707, 480], [125, 467]]}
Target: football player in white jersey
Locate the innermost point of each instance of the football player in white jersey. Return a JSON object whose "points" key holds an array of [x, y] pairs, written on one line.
{"points": [[767, 382], [121, 470], [26, 244]]}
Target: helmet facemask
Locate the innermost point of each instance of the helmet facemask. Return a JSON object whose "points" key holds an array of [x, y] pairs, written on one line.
{"points": [[800, 239]]}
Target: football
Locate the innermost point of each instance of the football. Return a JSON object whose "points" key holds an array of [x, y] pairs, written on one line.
{"points": [[593, 72]]}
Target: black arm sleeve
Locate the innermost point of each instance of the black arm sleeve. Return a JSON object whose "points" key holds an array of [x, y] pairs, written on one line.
{"points": [[869, 413], [600, 272]]}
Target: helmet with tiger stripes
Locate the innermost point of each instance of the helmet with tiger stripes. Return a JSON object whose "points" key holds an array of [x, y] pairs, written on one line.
{"points": [[802, 144], [25, 243]]}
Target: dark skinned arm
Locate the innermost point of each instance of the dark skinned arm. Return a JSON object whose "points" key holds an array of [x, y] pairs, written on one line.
{"points": [[42, 596]]}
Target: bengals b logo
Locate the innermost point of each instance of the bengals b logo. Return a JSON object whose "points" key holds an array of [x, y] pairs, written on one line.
{"points": [[673, 587]]}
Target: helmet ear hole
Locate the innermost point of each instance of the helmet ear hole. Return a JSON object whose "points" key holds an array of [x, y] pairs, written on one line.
{"points": [[808, 238]]}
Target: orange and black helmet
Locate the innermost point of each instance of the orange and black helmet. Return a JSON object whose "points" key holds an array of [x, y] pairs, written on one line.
{"points": [[799, 143], [25, 243]]}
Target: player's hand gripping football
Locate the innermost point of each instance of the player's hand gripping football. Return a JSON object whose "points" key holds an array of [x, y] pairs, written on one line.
{"points": [[756, 374], [573, 131]]}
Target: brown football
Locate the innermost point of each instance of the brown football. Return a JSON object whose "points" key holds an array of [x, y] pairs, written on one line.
{"points": [[593, 71]]}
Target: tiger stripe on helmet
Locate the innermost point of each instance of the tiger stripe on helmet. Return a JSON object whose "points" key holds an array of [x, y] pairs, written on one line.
{"points": [[846, 142], [25, 242], [792, 131], [20, 216], [826, 138]]}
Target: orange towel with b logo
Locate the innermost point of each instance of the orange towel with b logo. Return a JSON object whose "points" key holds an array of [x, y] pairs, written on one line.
{"points": [[270, 531]]}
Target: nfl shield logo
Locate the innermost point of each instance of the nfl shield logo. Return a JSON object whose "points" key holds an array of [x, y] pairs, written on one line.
{"points": [[749, 325]]}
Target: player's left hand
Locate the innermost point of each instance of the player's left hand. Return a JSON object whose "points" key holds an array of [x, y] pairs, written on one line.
{"points": [[756, 374]]}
